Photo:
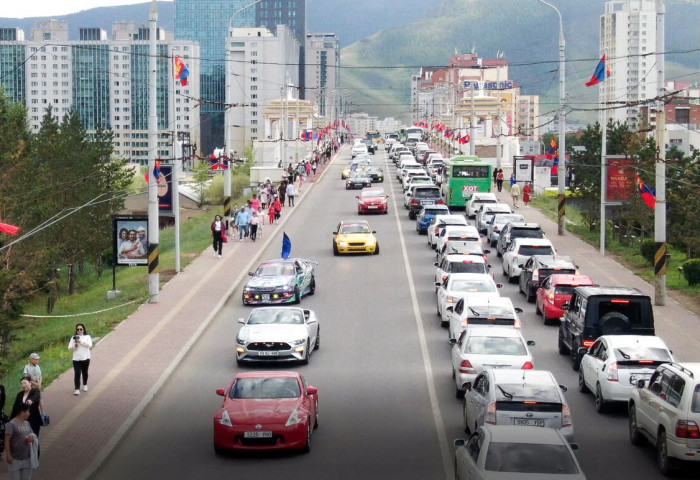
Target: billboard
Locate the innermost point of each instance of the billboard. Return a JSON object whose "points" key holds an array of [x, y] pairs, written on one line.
{"points": [[130, 240], [619, 178], [165, 191]]}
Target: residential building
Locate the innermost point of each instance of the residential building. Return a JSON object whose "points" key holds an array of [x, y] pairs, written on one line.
{"points": [[682, 117], [388, 125], [628, 39], [262, 67], [105, 80], [527, 117], [322, 79], [207, 22], [360, 123]]}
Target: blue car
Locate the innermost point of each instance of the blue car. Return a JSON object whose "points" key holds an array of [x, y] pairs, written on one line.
{"points": [[280, 281], [426, 215]]}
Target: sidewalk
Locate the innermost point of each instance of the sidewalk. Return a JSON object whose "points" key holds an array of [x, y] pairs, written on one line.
{"points": [[673, 322], [133, 362]]}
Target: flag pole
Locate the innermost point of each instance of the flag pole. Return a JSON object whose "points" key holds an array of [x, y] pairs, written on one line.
{"points": [[175, 181], [603, 153]]}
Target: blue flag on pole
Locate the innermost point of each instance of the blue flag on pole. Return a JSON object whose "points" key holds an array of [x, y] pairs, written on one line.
{"points": [[286, 246]]}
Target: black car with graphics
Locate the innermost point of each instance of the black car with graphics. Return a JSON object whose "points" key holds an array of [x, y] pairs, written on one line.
{"points": [[280, 281]]}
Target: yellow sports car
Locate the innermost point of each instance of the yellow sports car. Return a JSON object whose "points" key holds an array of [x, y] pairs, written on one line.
{"points": [[354, 236]]}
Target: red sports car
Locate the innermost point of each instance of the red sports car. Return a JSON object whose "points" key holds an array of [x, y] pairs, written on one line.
{"points": [[266, 411], [372, 200], [555, 291]]}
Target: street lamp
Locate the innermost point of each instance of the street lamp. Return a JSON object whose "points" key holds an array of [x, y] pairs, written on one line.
{"points": [[562, 124]]}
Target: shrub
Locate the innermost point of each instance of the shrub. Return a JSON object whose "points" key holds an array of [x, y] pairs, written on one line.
{"points": [[648, 249], [691, 271]]}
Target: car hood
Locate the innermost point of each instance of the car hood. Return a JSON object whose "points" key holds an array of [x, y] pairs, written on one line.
{"points": [[255, 411], [271, 281], [372, 199], [355, 237], [272, 333]]}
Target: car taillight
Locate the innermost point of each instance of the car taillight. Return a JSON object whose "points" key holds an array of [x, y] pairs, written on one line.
{"points": [[441, 202], [437, 231], [444, 277], [491, 414], [550, 298], [465, 366], [495, 229], [565, 416], [517, 323], [612, 373], [536, 274], [414, 202], [528, 366], [587, 343], [687, 429]]}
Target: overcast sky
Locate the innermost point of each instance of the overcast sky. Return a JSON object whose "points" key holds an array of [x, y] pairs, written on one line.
{"points": [[47, 8]]}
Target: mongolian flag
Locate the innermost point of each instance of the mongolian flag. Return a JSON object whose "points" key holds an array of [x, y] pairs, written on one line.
{"points": [[600, 73], [286, 246], [181, 71], [9, 229], [156, 172], [648, 195]]}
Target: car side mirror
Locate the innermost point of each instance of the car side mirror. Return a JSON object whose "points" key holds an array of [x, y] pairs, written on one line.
{"points": [[251, 274], [487, 251], [220, 392], [565, 306], [436, 264], [563, 388], [582, 351], [241, 320], [467, 386], [453, 341], [311, 390], [574, 446], [521, 265], [437, 284], [641, 383], [499, 285], [450, 309], [530, 343], [357, 196], [518, 310], [408, 194], [460, 442], [374, 231], [335, 233]]}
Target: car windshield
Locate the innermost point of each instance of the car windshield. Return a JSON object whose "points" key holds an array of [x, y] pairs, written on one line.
{"points": [[375, 192], [276, 387], [496, 346], [275, 316], [539, 392], [274, 269], [528, 458], [459, 285], [467, 267], [503, 219], [529, 250], [355, 228]]}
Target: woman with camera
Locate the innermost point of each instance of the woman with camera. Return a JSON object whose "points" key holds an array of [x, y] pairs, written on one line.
{"points": [[80, 343]]}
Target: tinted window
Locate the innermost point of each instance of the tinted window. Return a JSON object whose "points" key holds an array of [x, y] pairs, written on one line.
{"points": [[563, 290], [631, 308], [527, 233], [265, 388], [528, 391], [426, 192], [695, 403], [460, 267], [530, 458], [530, 250], [495, 346], [630, 354]]}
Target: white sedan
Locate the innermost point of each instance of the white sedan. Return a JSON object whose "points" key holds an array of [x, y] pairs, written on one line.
{"points": [[464, 233], [477, 200], [507, 452], [520, 250], [494, 311], [279, 334], [439, 223], [614, 364], [460, 285]]}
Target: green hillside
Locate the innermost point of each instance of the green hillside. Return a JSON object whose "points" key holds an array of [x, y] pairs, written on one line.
{"points": [[526, 30]]}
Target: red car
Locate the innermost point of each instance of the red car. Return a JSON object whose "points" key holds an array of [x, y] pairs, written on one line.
{"points": [[555, 291], [266, 411], [372, 200]]}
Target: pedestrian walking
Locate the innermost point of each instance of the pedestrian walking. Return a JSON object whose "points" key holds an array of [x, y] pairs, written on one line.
{"points": [[254, 220], [255, 203], [80, 343], [271, 214], [314, 166], [31, 397], [19, 443], [527, 191], [217, 233], [499, 180], [277, 208], [515, 194], [495, 176], [33, 371], [512, 179], [282, 190], [291, 193], [242, 220]]}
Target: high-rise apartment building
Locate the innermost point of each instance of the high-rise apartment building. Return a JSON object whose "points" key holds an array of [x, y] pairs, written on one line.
{"points": [[627, 38], [322, 78], [207, 22], [105, 80]]}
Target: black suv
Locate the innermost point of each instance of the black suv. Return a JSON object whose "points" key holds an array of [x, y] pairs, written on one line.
{"points": [[422, 196], [538, 268], [515, 230], [596, 311]]}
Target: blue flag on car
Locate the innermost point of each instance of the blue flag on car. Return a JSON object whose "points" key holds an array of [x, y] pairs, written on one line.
{"points": [[286, 246]]}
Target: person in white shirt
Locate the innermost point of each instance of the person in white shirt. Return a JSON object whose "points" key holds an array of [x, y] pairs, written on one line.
{"points": [[291, 193], [80, 343]]}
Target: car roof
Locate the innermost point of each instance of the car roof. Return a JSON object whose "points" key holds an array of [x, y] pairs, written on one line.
{"points": [[451, 216], [495, 207], [489, 301], [567, 279], [525, 225], [554, 260], [267, 374], [471, 276], [520, 434], [484, 196], [467, 228], [492, 331], [610, 291], [508, 375], [282, 261], [616, 341], [462, 258], [371, 189], [532, 241], [354, 222], [440, 206], [694, 367]]}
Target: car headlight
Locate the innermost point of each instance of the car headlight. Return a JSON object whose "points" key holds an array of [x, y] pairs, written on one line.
{"points": [[360, 202], [248, 289], [225, 419], [343, 244], [294, 419], [298, 342], [241, 342], [370, 242]]}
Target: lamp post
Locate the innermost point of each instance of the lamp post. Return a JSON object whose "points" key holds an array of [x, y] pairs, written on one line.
{"points": [[561, 177]]}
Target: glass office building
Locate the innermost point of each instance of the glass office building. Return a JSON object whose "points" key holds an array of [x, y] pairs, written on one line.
{"points": [[91, 89]]}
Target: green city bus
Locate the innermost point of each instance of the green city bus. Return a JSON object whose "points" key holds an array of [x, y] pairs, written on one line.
{"points": [[463, 175]]}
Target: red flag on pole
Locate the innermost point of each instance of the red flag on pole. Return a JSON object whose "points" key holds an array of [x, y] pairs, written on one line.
{"points": [[9, 229]]}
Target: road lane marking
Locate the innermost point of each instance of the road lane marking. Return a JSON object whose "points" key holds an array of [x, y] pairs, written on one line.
{"points": [[445, 450]]}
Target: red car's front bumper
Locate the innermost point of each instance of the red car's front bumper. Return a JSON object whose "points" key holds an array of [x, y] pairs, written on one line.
{"points": [[232, 438]]}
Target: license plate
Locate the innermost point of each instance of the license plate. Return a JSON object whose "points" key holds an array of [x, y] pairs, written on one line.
{"points": [[529, 422], [428, 202], [268, 353], [639, 376], [265, 296], [372, 207], [257, 434], [496, 366]]}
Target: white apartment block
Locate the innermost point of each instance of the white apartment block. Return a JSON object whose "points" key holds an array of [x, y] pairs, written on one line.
{"points": [[322, 75], [628, 37], [261, 67], [106, 82], [360, 123]]}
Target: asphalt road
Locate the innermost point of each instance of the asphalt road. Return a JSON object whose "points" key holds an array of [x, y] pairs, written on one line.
{"points": [[386, 396]]}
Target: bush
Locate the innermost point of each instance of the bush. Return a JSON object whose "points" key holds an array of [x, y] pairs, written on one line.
{"points": [[648, 249], [691, 271]]}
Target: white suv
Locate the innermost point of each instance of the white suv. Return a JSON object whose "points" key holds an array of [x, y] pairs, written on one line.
{"points": [[666, 412]]}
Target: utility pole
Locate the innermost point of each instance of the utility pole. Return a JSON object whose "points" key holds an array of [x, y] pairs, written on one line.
{"points": [[472, 121], [175, 181], [661, 256], [498, 116], [153, 223]]}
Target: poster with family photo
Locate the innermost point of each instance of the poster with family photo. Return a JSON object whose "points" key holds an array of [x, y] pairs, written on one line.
{"points": [[131, 240]]}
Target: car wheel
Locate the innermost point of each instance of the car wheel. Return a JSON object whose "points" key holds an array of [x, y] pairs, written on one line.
{"points": [[563, 349], [307, 354], [581, 382], [601, 406], [666, 464], [312, 286], [492, 243], [376, 250], [636, 438], [537, 309], [317, 345], [316, 416], [411, 215], [297, 295], [498, 253], [219, 451], [307, 445], [528, 296], [575, 360], [359, 212], [335, 249], [459, 393], [467, 430]]}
